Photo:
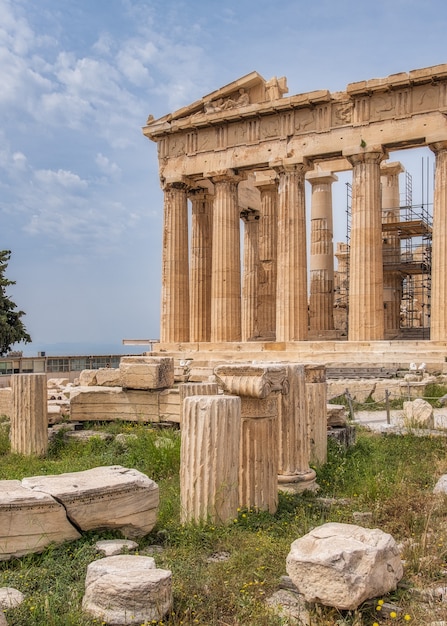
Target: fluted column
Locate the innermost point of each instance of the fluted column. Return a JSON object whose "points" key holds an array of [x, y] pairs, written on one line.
{"points": [[29, 422], [209, 458], [316, 410], [259, 386], [294, 473], [250, 276], [174, 271], [291, 300], [366, 321], [267, 259], [321, 303], [392, 280], [200, 272], [226, 276], [438, 322]]}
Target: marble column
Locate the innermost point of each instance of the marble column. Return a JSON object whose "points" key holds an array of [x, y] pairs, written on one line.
{"points": [[438, 321], [321, 303], [392, 279], [226, 260], [259, 387], [294, 473], [291, 287], [200, 271], [209, 458], [366, 319], [29, 420], [174, 271], [267, 259], [195, 389], [316, 410], [250, 276]]}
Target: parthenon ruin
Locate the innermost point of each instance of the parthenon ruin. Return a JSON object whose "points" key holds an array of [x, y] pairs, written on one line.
{"points": [[243, 154]]}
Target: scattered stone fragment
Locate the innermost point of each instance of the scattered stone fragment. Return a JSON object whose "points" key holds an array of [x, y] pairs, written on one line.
{"points": [[3, 621], [218, 557], [127, 589], [441, 485], [342, 565], [124, 438], [10, 598], [362, 517], [291, 606], [111, 547], [419, 414], [86, 435]]}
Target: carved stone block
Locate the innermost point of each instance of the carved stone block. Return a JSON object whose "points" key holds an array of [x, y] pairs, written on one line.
{"points": [[91, 495], [30, 521], [146, 372]]}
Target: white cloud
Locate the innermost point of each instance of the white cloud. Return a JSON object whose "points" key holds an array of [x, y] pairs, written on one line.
{"points": [[107, 166], [62, 178]]}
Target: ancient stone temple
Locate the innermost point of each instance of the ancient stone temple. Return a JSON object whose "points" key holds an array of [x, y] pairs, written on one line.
{"points": [[240, 159]]}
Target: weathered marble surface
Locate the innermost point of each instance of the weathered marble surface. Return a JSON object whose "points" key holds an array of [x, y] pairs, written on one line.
{"points": [[30, 521], [90, 496]]}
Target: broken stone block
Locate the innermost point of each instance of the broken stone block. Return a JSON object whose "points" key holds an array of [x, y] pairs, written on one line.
{"points": [[127, 589], [112, 547], [146, 372], [419, 414], [30, 521], [104, 497], [10, 598], [342, 565], [112, 403]]}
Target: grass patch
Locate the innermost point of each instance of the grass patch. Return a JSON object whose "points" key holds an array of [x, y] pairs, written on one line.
{"points": [[390, 477]]}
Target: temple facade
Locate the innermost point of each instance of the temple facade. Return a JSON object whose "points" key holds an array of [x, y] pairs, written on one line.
{"points": [[244, 154]]}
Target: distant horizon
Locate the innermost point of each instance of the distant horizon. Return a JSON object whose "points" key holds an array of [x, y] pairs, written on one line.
{"points": [[80, 348]]}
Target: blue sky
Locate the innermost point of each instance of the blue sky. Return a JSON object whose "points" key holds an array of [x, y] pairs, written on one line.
{"points": [[80, 201]]}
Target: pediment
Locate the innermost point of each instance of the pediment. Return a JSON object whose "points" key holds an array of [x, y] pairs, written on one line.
{"points": [[248, 90]]}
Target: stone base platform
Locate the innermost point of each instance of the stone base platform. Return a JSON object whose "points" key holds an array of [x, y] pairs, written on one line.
{"points": [[201, 357]]}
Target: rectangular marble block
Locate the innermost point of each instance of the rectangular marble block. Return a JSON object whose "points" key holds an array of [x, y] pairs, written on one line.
{"points": [[113, 403], [146, 372]]}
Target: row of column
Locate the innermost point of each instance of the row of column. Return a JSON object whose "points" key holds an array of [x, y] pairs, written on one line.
{"points": [[202, 295]]}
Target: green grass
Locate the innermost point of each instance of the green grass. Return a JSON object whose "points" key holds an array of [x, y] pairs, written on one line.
{"points": [[390, 477]]}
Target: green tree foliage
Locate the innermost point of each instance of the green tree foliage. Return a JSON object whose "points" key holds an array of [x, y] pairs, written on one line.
{"points": [[12, 329]]}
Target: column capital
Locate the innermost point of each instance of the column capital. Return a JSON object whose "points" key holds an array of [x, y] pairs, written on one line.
{"points": [[391, 169], [250, 215], [282, 166], [199, 193], [168, 185], [226, 176], [438, 146], [318, 177], [266, 181], [375, 154]]}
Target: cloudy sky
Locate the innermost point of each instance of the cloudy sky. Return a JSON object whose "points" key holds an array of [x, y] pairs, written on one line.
{"points": [[80, 201]]}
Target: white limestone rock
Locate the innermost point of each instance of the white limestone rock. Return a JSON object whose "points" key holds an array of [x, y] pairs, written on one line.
{"points": [[127, 589], [342, 565], [30, 521], [441, 485], [112, 497], [147, 372], [10, 598], [419, 414], [3, 621], [112, 547]]}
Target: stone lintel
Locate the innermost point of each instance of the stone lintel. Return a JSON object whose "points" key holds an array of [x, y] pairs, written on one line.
{"points": [[255, 381]]}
